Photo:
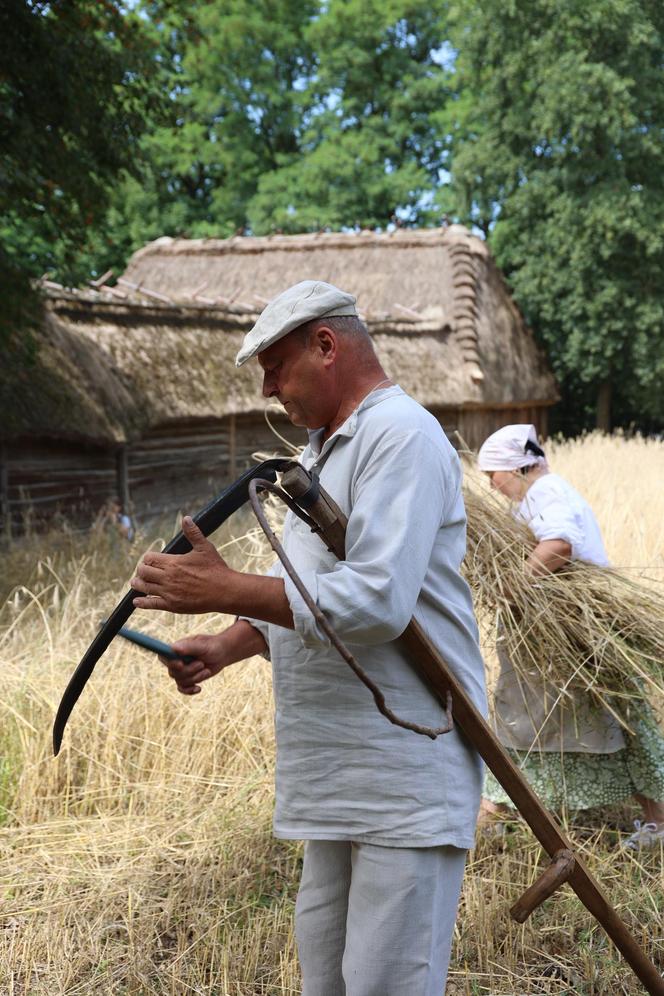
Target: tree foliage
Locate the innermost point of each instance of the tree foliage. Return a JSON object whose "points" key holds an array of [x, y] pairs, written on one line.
{"points": [[558, 153], [369, 147], [293, 115], [74, 98], [233, 72]]}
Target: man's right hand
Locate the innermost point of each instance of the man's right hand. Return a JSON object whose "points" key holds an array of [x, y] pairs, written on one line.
{"points": [[211, 655]]}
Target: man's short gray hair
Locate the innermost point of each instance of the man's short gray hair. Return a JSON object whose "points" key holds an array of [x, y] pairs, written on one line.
{"points": [[345, 325]]}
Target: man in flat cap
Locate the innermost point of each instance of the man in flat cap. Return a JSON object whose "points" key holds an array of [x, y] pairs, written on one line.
{"points": [[386, 815]]}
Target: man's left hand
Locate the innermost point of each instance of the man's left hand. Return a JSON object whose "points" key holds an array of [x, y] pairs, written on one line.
{"points": [[189, 582]]}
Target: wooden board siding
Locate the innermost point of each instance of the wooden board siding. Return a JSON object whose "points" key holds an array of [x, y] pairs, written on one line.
{"points": [[255, 436], [174, 465], [180, 466], [177, 466], [473, 425], [476, 424], [46, 477]]}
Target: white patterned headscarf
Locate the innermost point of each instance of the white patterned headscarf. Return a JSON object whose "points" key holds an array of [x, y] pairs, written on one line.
{"points": [[510, 448]]}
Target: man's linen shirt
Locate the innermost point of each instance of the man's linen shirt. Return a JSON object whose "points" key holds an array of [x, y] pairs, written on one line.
{"points": [[344, 772]]}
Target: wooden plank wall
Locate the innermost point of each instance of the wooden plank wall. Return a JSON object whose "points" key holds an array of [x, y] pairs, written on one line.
{"points": [[172, 466], [178, 466], [474, 425], [43, 477]]}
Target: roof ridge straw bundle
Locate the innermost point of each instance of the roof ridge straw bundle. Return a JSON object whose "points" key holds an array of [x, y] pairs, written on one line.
{"points": [[583, 629]]}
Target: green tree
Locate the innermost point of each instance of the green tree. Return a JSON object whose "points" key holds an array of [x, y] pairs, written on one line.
{"points": [[237, 70], [558, 153], [287, 115], [74, 100], [370, 145], [233, 73], [281, 115]]}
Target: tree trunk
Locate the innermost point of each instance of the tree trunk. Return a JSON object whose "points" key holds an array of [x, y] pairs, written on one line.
{"points": [[603, 416]]}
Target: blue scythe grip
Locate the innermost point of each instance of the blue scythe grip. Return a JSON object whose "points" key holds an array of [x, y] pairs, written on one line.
{"points": [[156, 646]]}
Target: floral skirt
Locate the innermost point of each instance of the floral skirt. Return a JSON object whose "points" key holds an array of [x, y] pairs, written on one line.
{"points": [[582, 781]]}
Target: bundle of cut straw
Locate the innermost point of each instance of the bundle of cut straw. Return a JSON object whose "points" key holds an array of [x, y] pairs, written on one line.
{"points": [[584, 629]]}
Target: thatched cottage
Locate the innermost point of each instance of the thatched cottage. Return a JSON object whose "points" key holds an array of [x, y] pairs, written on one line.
{"points": [[134, 388]]}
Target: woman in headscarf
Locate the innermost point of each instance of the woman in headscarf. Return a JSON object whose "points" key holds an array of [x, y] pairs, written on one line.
{"points": [[574, 756]]}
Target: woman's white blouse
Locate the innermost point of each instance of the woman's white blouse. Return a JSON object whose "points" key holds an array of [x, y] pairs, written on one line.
{"points": [[552, 509]]}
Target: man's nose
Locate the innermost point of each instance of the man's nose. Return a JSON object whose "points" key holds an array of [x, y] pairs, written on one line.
{"points": [[269, 385]]}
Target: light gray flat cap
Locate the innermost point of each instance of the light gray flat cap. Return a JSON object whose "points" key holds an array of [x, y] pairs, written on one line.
{"points": [[295, 306]]}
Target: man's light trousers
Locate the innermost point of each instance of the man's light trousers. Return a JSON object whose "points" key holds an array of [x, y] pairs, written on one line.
{"points": [[376, 921]]}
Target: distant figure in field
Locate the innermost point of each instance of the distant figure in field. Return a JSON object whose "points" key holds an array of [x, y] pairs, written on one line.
{"points": [[114, 513], [572, 756]]}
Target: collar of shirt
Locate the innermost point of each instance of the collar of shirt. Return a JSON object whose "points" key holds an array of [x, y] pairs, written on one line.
{"points": [[349, 427]]}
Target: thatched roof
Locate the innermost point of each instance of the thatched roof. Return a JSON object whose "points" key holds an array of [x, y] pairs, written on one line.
{"points": [[428, 282], [160, 345], [107, 371]]}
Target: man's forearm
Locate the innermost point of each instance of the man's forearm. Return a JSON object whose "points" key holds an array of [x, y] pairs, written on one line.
{"points": [[242, 641], [260, 597]]}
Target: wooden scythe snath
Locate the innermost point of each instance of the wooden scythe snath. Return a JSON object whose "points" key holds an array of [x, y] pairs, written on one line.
{"points": [[567, 865]]}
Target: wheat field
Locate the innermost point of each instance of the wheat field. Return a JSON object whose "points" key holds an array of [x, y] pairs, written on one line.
{"points": [[140, 861]]}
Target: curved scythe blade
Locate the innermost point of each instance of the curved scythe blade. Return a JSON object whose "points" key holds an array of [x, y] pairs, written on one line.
{"points": [[207, 520]]}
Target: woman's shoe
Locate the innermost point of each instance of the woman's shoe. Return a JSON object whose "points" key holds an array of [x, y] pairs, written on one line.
{"points": [[645, 835]]}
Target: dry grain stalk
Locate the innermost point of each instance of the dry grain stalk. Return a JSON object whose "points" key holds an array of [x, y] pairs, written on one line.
{"points": [[585, 628]]}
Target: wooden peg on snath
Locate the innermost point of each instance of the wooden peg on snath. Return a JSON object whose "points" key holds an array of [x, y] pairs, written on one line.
{"points": [[544, 886]]}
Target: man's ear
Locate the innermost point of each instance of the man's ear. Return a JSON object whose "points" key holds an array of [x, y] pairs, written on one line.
{"points": [[326, 343]]}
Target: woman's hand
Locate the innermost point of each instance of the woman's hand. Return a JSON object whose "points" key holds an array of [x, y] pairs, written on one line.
{"points": [[548, 557]]}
